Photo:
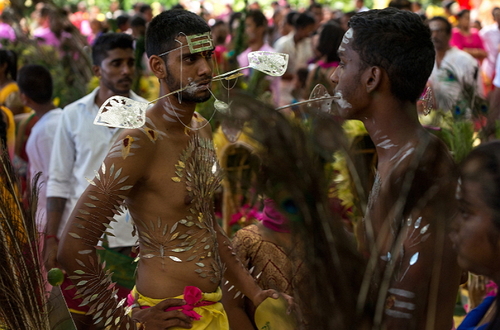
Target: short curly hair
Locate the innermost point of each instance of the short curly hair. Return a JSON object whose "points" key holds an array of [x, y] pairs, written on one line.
{"points": [[398, 42], [165, 27]]}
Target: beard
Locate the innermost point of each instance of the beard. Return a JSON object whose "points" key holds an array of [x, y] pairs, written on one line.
{"points": [[187, 95]]}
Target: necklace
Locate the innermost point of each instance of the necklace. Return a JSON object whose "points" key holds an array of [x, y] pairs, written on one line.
{"points": [[186, 126]]}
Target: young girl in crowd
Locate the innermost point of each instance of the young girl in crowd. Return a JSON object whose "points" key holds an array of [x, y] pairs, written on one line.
{"points": [[476, 231]]}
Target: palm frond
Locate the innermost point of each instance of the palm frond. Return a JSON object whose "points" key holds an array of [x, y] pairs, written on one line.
{"points": [[22, 288]]}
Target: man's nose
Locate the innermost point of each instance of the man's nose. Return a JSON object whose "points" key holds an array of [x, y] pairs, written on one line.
{"points": [[205, 67], [334, 77], [127, 69]]}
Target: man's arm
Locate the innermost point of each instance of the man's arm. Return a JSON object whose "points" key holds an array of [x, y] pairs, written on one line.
{"points": [[60, 171], [55, 209], [234, 302], [235, 309], [237, 274], [91, 219], [421, 292], [421, 271]]}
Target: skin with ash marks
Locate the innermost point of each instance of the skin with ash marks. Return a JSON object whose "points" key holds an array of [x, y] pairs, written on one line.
{"points": [[166, 174]]}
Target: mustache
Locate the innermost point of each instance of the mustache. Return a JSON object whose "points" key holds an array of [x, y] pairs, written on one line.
{"points": [[126, 79], [203, 81]]}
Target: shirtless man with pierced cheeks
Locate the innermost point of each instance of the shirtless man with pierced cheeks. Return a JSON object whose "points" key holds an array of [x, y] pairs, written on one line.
{"points": [[386, 58], [165, 173]]}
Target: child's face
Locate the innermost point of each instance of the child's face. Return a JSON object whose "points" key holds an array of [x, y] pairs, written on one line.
{"points": [[475, 237]]}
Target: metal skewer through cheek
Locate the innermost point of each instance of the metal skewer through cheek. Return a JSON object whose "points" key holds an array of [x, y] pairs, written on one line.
{"points": [[335, 97]]}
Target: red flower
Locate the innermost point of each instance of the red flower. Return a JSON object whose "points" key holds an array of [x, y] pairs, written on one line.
{"points": [[192, 295]]}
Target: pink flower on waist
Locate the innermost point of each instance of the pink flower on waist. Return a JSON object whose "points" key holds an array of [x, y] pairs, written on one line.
{"points": [[192, 295]]}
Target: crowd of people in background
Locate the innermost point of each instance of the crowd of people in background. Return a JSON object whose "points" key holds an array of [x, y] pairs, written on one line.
{"points": [[281, 28]]}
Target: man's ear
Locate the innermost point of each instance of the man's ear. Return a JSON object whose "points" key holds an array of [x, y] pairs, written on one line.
{"points": [[158, 67], [373, 78], [96, 70], [24, 99]]}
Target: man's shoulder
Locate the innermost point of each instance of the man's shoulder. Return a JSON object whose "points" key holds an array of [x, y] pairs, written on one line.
{"points": [[437, 158], [282, 41], [49, 121], [489, 30], [458, 56], [138, 98], [81, 102]]}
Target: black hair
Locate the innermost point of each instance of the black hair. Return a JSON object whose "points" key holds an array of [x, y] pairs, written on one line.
{"points": [[493, 11], [7, 15], [165, 27], [122, 19], [137, 21], [144, 7], [329, 41], [177, 6], [45, 11], [234, 19], [291, 17], [35, 82], [258, 17], [109, 41], [463, 12], [303, 20], [315, 5], [398, 42], [220, 38], [444, 20], [400, 4], [9, 57]]}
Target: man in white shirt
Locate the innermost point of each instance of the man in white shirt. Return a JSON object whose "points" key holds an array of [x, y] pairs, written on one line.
{"points": [[255, 31], [455, 78], [494, 108], [298, 45], [491, 38], [79, 149], [35, 86]]}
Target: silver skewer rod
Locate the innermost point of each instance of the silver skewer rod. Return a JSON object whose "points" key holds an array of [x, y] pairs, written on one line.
{"points": [[307, 101], [168, 94], [222, 75]]}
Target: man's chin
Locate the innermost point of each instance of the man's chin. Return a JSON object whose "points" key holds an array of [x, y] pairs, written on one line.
{"points": [[197, 99], [122, 90]]}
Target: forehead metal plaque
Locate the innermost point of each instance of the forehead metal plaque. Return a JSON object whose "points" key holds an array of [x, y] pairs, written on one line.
{"points": [[200, 42]]}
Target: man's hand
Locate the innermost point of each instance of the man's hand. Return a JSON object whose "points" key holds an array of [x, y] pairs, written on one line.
{"points": [[50, 253], [155, 318], [263, 294]]}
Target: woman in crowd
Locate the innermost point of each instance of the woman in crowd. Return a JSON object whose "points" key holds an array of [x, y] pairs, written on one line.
{"points": [[327, 46], [476, 231], [10, 101], [466, 38], [9, 92]]}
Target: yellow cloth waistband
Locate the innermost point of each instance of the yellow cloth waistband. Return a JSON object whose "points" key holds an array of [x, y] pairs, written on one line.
{"points": [[213, 317], [142, 300]]}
